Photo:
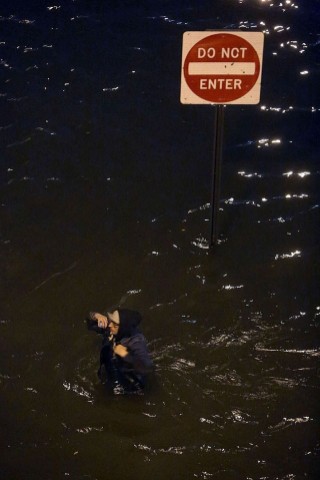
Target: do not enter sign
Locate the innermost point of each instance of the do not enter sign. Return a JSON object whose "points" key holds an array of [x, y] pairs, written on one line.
{"points": [[221, 67]]}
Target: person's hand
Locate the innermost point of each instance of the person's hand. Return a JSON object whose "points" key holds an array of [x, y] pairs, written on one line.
{"points": [[120, 350], [101, 319]]}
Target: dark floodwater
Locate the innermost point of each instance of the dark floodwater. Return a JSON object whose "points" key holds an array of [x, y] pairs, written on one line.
{"points": [[105, 184]]}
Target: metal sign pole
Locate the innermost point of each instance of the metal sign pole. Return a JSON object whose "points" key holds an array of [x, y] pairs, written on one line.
{"points": [[216, 172]]}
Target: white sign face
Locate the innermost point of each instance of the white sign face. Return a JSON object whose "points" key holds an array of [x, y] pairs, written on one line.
{"points": [[221, 67]]}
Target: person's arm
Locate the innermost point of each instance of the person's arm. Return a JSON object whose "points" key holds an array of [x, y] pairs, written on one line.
{"points": [[120, 350], [102, 320], [137, 354]]}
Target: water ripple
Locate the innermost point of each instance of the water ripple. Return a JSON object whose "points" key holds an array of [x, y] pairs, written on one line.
{"points": [[288, 422], [309, 352], [293, 254], [13, 18], [86, 430], [78, 390]]}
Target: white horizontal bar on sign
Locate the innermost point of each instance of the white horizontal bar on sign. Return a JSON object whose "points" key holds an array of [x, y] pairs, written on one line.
{"points": [[222, 68]]}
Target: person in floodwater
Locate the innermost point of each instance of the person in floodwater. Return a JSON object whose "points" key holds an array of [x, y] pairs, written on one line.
{"points": [[124, 356]]}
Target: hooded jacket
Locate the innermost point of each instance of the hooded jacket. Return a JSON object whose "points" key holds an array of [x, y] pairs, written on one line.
{"points": [[138, 359]]}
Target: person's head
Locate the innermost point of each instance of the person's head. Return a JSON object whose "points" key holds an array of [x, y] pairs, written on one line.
{"points": [[113, 322], [123, 322]]}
